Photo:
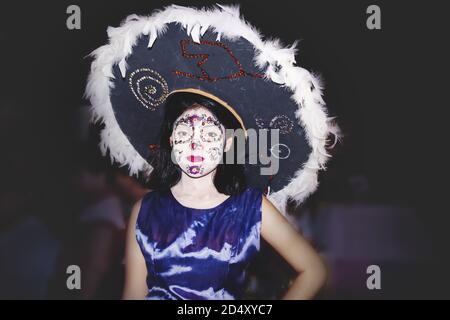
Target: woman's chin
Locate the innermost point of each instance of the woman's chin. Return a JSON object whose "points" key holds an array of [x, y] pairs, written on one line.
{"points": [[197, 171]]}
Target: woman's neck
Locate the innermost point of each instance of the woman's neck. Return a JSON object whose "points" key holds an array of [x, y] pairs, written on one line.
{"points": [[203, 185]]}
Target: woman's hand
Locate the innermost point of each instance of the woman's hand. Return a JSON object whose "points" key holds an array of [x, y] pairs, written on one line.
{"points": [[135, 268], [297, 251]]}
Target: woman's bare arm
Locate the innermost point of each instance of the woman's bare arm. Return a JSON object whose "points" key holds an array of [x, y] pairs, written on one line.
{"points": [[297, 251], [135, 268]]}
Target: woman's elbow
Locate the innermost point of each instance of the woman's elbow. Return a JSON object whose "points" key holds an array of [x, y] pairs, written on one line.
{"points": [[319, 271], [316, 272]]}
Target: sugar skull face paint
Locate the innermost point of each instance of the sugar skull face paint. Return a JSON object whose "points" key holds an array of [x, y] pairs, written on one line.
{"points": [[198, 142]]}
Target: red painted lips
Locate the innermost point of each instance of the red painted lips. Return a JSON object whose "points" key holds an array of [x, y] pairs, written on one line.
{"points": [[192, 158]]}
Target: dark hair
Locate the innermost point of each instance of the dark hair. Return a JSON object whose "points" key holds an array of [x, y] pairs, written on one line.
{"points": [[229, 178]]}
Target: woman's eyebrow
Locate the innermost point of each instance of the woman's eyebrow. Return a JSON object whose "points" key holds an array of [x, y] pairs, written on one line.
{"points": [[186, 120], [182, 123], [211, 125]]}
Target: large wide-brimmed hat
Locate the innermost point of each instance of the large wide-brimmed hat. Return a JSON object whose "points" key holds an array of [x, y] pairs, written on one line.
{"points": [[217, 54]]}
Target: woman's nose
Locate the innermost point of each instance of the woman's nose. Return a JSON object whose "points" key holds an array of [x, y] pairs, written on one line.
{"points": [[195, 145]]}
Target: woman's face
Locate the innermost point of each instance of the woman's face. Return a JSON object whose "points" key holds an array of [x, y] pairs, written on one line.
{"points": [[198, 140]]}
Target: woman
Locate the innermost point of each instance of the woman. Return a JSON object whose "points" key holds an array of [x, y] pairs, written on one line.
{"points": [[194, 234], [200, 73]]}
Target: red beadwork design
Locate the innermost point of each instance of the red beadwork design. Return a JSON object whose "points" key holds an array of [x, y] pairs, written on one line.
{"points": [[204, 57]]}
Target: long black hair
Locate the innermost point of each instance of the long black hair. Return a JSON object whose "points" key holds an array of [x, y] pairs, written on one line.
{"points": [[229, 178]]}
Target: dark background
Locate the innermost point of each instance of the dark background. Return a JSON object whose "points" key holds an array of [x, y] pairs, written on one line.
{"points": [[384, 85]]}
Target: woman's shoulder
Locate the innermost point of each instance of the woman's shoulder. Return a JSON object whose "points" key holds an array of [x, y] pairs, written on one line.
{"points": [[153, 195], [145, 206], [250, 200], [252, 193]]}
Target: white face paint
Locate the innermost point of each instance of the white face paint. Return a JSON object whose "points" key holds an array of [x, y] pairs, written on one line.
{"points": [[198, 142]]}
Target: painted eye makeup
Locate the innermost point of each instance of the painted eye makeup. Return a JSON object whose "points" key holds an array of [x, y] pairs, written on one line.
{"points": [[182, 133], [211, 134]]}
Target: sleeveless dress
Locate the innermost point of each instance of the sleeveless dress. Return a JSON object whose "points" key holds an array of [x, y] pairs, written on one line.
{"points": [[198, 254]]}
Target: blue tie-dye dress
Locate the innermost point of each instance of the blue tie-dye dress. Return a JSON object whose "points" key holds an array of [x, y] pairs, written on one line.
{"points": [[198, 253]]}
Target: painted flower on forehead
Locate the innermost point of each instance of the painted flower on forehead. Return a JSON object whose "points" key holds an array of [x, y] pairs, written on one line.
{"points": [[191, 119], [198, 142]]}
